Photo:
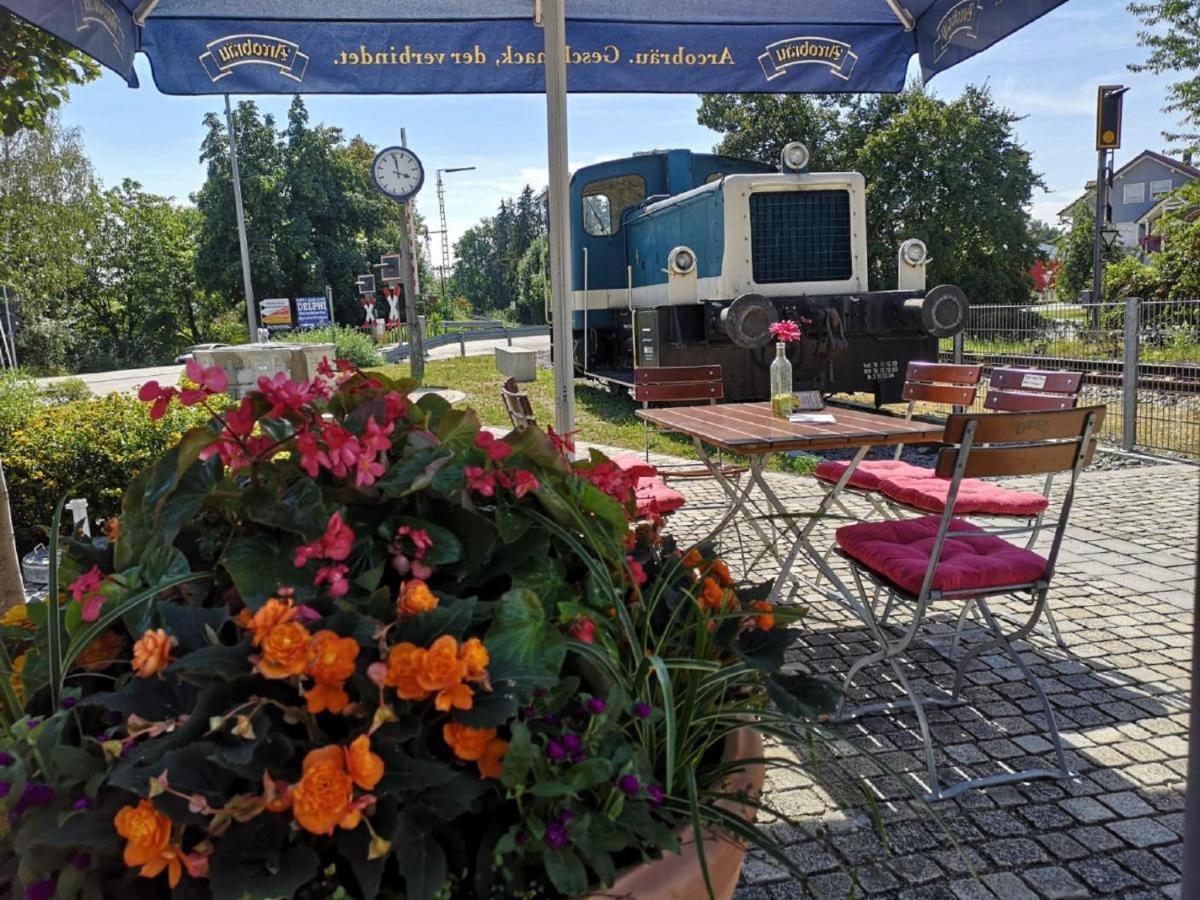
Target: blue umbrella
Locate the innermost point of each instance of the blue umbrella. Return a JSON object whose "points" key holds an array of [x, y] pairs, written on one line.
{"points": [[522, 46]]}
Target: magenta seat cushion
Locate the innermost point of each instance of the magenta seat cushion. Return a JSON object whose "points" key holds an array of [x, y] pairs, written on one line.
{"points": [[899, 551], [633, 465], [653, 496], [975, 497], [870, 472]]}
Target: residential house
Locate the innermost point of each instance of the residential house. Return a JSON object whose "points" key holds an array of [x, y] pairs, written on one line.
{"points": [[1139, 196]]}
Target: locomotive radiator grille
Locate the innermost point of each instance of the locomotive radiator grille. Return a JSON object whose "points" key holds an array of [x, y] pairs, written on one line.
{"points": [[800, 236]]}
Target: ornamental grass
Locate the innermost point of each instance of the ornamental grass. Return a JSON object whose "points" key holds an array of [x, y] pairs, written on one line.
{"points": [[340, 644]]}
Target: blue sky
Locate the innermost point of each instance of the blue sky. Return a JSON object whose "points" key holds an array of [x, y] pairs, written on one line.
{"points": [[1047, 73]]}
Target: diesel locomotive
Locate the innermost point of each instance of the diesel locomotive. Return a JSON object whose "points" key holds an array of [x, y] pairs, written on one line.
{"points": [[683, 258]]}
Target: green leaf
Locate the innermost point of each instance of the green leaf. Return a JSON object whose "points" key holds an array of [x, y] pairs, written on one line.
{"points": [[217, 662], [449, 479], [764, 650], [54, 633], [566, 871], [354, 846], [414, 471], [260, 564], [421, 860], [671, 737], [253, 862], [451, 616], [518, 758], [520, 633], [190, 625], [511, 523], [458, 427], [299, 510], [584, 775]]}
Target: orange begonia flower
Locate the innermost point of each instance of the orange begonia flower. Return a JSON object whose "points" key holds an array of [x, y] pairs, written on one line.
{"points": [[152, 653], [330, 664], [712, 596], [273, 612], [101, 652], [475, 656], [467, 743], [415, 598], [147, 833], [721, 571], [765, 620], [285, 651], [440, 666], [403, 663], [491, 762], [458, 696], [365, 767], [323, 797], [691, 559]]}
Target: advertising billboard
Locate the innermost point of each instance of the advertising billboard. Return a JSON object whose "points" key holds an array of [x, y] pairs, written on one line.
{"points": [[276, 311], [312, 312]]}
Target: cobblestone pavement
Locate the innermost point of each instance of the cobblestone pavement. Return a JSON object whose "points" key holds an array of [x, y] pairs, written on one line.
{"points": [[1123, 599]]}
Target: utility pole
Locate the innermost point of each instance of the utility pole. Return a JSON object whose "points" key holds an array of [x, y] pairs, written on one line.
{"points": [[409, 262], [445, 233], [247, 284]]}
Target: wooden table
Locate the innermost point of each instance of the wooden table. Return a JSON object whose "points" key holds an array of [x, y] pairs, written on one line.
{"points": [[751, 431]]}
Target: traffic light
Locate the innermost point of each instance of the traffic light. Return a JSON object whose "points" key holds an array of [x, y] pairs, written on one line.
{"points": [[1109, 98]]}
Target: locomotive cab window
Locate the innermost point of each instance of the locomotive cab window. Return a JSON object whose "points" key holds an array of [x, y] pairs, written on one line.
{"points": [[605, 201]]}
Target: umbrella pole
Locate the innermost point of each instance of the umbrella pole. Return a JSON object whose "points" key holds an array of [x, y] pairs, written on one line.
{"points": [[554, 28], [241, 223]]}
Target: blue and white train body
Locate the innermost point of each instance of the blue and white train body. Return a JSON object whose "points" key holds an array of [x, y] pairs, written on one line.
{"points": [[684, 258]]}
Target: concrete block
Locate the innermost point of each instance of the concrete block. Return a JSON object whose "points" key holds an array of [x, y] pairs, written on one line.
{"points": [[520, 364], [246, 363]]}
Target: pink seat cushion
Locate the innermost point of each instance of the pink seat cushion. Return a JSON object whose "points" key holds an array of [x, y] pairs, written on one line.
{"points": [[653, 496], [633, 465], [870, 472], [899, 551], [975, 497]]}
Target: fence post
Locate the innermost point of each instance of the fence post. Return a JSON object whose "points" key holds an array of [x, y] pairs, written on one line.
{"points": [[958, 361], [1129, 375], [462, 344]]}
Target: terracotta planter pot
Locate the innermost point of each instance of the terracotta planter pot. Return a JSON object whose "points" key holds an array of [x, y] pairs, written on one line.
{"points": [[679, 877]]}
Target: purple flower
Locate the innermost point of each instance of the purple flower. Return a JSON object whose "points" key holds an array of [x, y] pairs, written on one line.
{"points": [[555, 751], [6, 759], [81, 861], [81, 804], [579, 757], [32, 724], [35, 794], [41, 890], [68, 702], [556, 836], [5, 787], [596, 705], [527, 712], [641, 710], [566, 816], [550, 719], [629, 784], [657, 795], [572, 742]]}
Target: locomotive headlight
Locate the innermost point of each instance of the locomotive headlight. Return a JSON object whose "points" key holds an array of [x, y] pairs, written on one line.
{"points": [[681, 260], [914, 252], [795, 157]]}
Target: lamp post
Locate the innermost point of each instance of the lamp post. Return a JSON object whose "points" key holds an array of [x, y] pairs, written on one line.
{"points": [[445, 234]]}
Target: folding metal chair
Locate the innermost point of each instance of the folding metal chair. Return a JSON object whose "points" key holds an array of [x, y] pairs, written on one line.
{"points": [[918, 563]]}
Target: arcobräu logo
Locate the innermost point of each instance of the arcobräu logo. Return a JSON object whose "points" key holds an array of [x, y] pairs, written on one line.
{"points": [[962, 18], [780, 56], [98, 13], [225, 54]]}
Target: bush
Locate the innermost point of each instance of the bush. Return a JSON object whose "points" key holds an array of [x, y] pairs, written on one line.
{"points": [[349, 343], [69, 390], [229, 327], [91, 449], [20, 400]]}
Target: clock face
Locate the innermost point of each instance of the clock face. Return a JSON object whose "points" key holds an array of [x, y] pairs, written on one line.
{"points": [[397, 172]]}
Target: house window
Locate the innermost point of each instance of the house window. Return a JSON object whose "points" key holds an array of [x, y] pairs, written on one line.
{"points": [[1134, 193], [1160, 189], [604, 201]]}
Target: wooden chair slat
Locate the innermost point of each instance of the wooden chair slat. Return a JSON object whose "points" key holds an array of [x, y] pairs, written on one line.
{"points": [[1035, 380], [517, 404], [1020, 401], [947, 394], [1023, 426], [986, 462], [697, 390], [673, 374], [943, 372]]}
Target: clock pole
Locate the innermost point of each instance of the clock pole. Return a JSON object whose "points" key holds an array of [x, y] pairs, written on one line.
{"points": [[409, 261]]}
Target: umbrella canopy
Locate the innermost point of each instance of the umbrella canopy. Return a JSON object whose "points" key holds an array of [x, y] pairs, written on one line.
{"points": [[472, 46], [464, 46]]}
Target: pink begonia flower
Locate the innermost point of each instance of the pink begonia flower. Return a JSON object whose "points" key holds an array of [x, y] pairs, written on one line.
{"points": [[159, 396], [561, 441], [375, 437], [212, 380], [283, 394], [309, 451], [335, 576], [584, 630], [86, 590], [342, 449], [367, 470], [421, 542], [395, 406], [609, 478], [480, 481], [524, 483], [785, 331], [496, 450], [636, 570], [335, 544]]}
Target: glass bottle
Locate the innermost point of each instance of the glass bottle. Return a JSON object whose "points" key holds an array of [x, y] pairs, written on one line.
{"points": [[782, 398]]}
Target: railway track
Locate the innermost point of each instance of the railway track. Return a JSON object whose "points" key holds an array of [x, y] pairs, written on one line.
{"points": [[1174, 378]]}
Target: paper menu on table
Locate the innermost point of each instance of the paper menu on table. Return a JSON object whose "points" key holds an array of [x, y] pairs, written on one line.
{"points": [[812, 418]]}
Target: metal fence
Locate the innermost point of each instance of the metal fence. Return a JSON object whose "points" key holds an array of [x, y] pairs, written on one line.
{"points": [[462, 338], [1141, 359]]}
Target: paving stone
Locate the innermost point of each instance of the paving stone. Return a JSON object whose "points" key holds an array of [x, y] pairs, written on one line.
{"points": [[1104, 875], [1086, 810], [1013, 852], [835, 884], [1148, 867], [1008, 886], [1055, 882], [1143, 832], [811, 857], [970, 889], [876, 879], [1126, 804], [1063, 846]]}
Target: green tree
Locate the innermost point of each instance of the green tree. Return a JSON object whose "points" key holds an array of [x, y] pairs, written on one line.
{"points": [[948, 172], [490, 253], [1172, 42], [37, 71], [1075, 246], [532, 281], [476, 274]]}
